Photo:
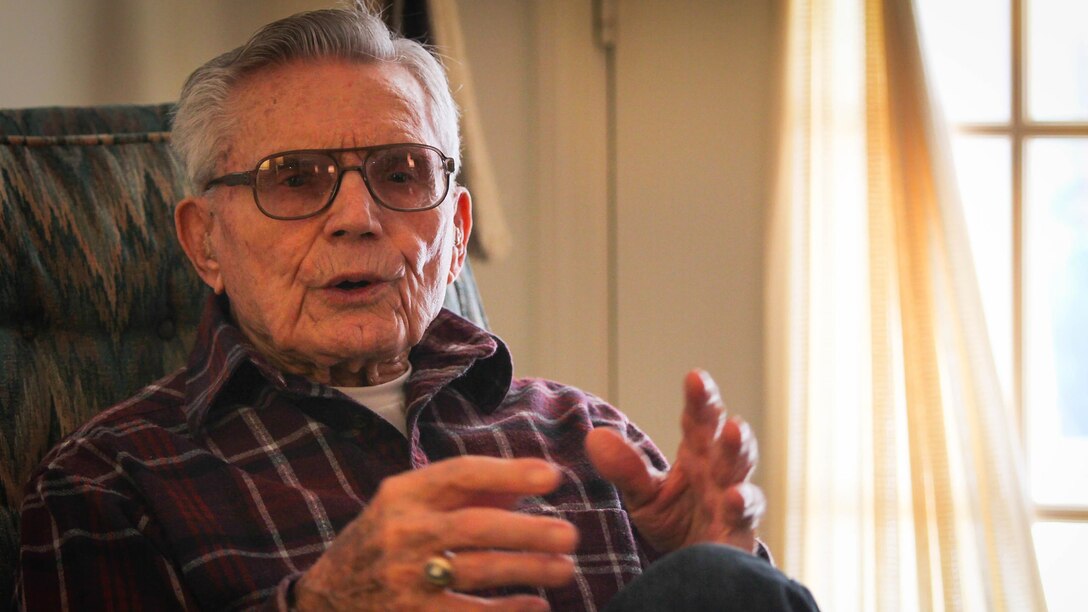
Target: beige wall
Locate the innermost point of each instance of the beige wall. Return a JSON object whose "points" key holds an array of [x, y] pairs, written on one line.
{"points": [[619, 289], [75, 52], [500, 46], [692, 130], [637, 282]]}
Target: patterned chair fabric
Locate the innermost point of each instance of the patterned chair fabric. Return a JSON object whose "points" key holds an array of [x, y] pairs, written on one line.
{"points": [[96, 297]]}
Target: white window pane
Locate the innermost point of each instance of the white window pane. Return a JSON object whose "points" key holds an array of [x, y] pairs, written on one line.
{"points": [[966, 47], [1057, 60], [984, 174], [1056, 318], [1062, 550]]}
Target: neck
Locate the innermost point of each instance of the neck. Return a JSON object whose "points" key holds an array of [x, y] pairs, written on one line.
{"points": [[353, 373], [357, 372]]}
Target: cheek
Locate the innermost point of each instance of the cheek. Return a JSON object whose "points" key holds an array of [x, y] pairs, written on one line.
{"points": [[424, 292], [248, 263], [260, 267], [428, 261]]}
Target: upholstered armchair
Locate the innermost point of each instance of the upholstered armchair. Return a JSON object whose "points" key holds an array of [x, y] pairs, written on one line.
{"points": [[96, 297]]}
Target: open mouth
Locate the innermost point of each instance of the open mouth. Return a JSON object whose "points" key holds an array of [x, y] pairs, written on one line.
{"points": [[350, 285]]}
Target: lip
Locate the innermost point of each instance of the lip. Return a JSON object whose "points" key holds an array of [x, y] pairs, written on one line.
{"points": [[353, 277], [369, 290]]}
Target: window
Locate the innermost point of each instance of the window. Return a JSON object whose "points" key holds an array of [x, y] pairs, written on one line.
{"points": [[1012, 79]]}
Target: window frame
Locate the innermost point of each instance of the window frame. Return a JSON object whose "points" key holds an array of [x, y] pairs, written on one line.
{"points": [[1018, 130]]}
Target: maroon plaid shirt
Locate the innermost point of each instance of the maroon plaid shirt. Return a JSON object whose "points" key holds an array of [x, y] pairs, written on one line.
{"points": [[217, 486]]}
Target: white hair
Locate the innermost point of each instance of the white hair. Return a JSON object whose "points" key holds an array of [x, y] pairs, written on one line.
{"points": [[202, 123]]}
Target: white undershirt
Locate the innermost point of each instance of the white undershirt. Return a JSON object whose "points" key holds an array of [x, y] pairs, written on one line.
{"points": [[386, 399]]}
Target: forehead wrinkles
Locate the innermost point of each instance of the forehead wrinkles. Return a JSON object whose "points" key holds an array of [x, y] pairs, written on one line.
{"points": [[301, 106]]}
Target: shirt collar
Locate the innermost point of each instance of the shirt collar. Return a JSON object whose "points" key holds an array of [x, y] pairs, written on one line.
{"points": [[457, 353], [453, 352]]}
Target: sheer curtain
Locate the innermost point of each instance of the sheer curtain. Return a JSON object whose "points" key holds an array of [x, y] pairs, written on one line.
{"points": [[897, 472]]}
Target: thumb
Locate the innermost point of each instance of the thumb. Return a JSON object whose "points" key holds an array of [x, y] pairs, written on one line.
{"points": [[624, 465]]}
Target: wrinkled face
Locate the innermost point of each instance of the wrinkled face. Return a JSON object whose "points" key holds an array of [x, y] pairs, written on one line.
{"points": [[357, 284]]}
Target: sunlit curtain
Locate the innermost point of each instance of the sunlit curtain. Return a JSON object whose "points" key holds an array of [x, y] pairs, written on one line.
{"points": [[896, 467]]}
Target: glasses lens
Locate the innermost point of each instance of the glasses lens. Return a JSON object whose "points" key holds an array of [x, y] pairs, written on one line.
{"points": [[295, 184], [407, 177]]}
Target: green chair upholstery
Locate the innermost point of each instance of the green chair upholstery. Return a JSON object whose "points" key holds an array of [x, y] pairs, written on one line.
{"points": [[96, 297]]}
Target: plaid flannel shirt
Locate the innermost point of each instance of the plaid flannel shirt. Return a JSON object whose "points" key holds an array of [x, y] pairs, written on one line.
{"points": [[218, 485]]}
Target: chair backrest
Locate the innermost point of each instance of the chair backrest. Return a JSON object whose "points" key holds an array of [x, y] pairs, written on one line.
{"points": [[96, 297]]}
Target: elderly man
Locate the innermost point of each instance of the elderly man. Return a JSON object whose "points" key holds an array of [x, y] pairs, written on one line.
{"points": [[336, 440]]}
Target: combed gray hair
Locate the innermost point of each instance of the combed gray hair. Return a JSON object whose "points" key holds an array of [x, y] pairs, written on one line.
{"points": [[202, 123]]}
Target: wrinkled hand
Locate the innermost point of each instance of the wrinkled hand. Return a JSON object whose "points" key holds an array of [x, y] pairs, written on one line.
{"points": [[705, 496], [460, 505]]}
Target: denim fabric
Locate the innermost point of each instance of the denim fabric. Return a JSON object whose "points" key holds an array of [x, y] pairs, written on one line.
{"points": [[712, 577]]}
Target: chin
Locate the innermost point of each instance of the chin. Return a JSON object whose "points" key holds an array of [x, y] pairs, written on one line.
{"points": [[386, 329], [380, 339]]}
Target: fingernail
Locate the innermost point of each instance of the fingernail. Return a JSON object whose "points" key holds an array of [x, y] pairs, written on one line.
{"points": [[745, 429], [563, 533], [560, 567], [541, 476], [712, 391], [704, 376]]}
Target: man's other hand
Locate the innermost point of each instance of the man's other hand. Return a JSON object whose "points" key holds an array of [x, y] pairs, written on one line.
{"points": [[461, 506], [705, 496]]}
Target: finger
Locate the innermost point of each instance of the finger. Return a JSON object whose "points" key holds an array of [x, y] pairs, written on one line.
{"points": [[736, 452], [473, 480], [704, 412], [493, 528], [746, 505], [486, 569], [744, 508], [621, 463]]}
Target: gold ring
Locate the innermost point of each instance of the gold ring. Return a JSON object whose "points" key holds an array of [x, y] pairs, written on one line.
{"points": [[439, 571]]}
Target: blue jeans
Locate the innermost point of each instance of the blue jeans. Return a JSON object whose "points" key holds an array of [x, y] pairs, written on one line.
{"points": [[712, 577]]}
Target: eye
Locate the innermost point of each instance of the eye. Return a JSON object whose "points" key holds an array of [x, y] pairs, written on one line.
{"points": [[400, 167], [296, 179], [399, 177], [301, 172]]}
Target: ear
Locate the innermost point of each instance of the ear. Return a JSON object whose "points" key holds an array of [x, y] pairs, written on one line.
{"points": [[462, 229], [194, 222]]}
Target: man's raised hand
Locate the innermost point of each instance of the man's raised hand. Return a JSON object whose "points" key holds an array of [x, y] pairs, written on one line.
{"points": [[705, 496]]}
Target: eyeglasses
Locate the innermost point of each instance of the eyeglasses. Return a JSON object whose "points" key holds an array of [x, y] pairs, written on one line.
{"points": [[292, 185]]}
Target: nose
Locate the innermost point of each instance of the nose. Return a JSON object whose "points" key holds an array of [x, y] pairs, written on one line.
{"points": [[354, 211]]}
